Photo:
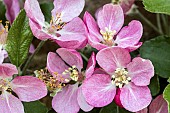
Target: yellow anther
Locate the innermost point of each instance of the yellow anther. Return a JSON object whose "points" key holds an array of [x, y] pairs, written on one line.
{"points": [[108, 36], [120, 77]]}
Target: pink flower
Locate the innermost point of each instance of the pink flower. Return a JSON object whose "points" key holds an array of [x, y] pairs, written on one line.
{"points": [[67, 64], [27, 88], [125, 4], [130, 78], [106, 32], [12, 9], [65, 27], [158, 105]]}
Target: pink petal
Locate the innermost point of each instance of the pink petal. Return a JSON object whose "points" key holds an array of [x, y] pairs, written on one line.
{"points": [[113, 57], [38, 32], [111, 17], [10, 104], [3, 55], [130, 35], [7, 70], [140, 71], [28, 88], [66, 100], [135, 98], [55, 63], [34, 12], [32, 48], [71, 57], [73, 34], [145, 110], [94, 36], [68, 9], [98, 90], [126, 5], [82, 102], [158, 105], [91, 65], [12, 9], [99, 71]]}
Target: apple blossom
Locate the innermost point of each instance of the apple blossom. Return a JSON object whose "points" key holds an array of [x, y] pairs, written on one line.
{"points": [[130, 78], [106, 32]]}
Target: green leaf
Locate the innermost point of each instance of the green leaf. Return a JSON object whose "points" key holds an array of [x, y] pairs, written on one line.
{"points": [[35, 107], [112, 108], [158, 51], [166, 95], [19, 39], [157, 6], [154, 85], [46, 10], [169, 80]]}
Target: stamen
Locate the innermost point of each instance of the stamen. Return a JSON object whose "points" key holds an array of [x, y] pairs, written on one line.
{"points": [[73, 72], [53, 83], [56, 24], [120, 77], [5, 85], [108, 36]]}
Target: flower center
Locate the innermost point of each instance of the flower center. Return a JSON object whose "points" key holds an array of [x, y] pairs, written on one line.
{"points": [[120, 78], [56, 24], [73, 72], [54, 83], [3, 33], [5, 85], [108, 36]]}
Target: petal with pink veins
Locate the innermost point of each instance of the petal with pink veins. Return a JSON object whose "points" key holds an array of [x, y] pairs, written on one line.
{"points": [[91, 65], [98, 90], [82, 102], [94, 36], [13, 8], [73, 34], [66, 100], [68, 9], [113, 57], [55, 63], [140, 71], [71, 57], [34, 12], [7, 70], [130, 35], [38, 31], [135, 98], [158, 105], [28, 88], [10, 104], [111, 16]]}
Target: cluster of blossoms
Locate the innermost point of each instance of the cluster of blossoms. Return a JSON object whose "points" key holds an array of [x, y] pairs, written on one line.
{"points": [[117, 77]]}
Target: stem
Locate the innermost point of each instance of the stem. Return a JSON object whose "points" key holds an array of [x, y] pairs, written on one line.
{"points": [[32, 56], [165, 24], [84, 57], [117, 109], [149, 23], [159, 22], [19, 71]]}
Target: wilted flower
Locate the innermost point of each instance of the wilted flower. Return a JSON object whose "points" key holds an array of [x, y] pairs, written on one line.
{"points": [[130, 78], [106, 32], [27, 88], [125, 4], [158, 105], [67, 77], [65, 27]]}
